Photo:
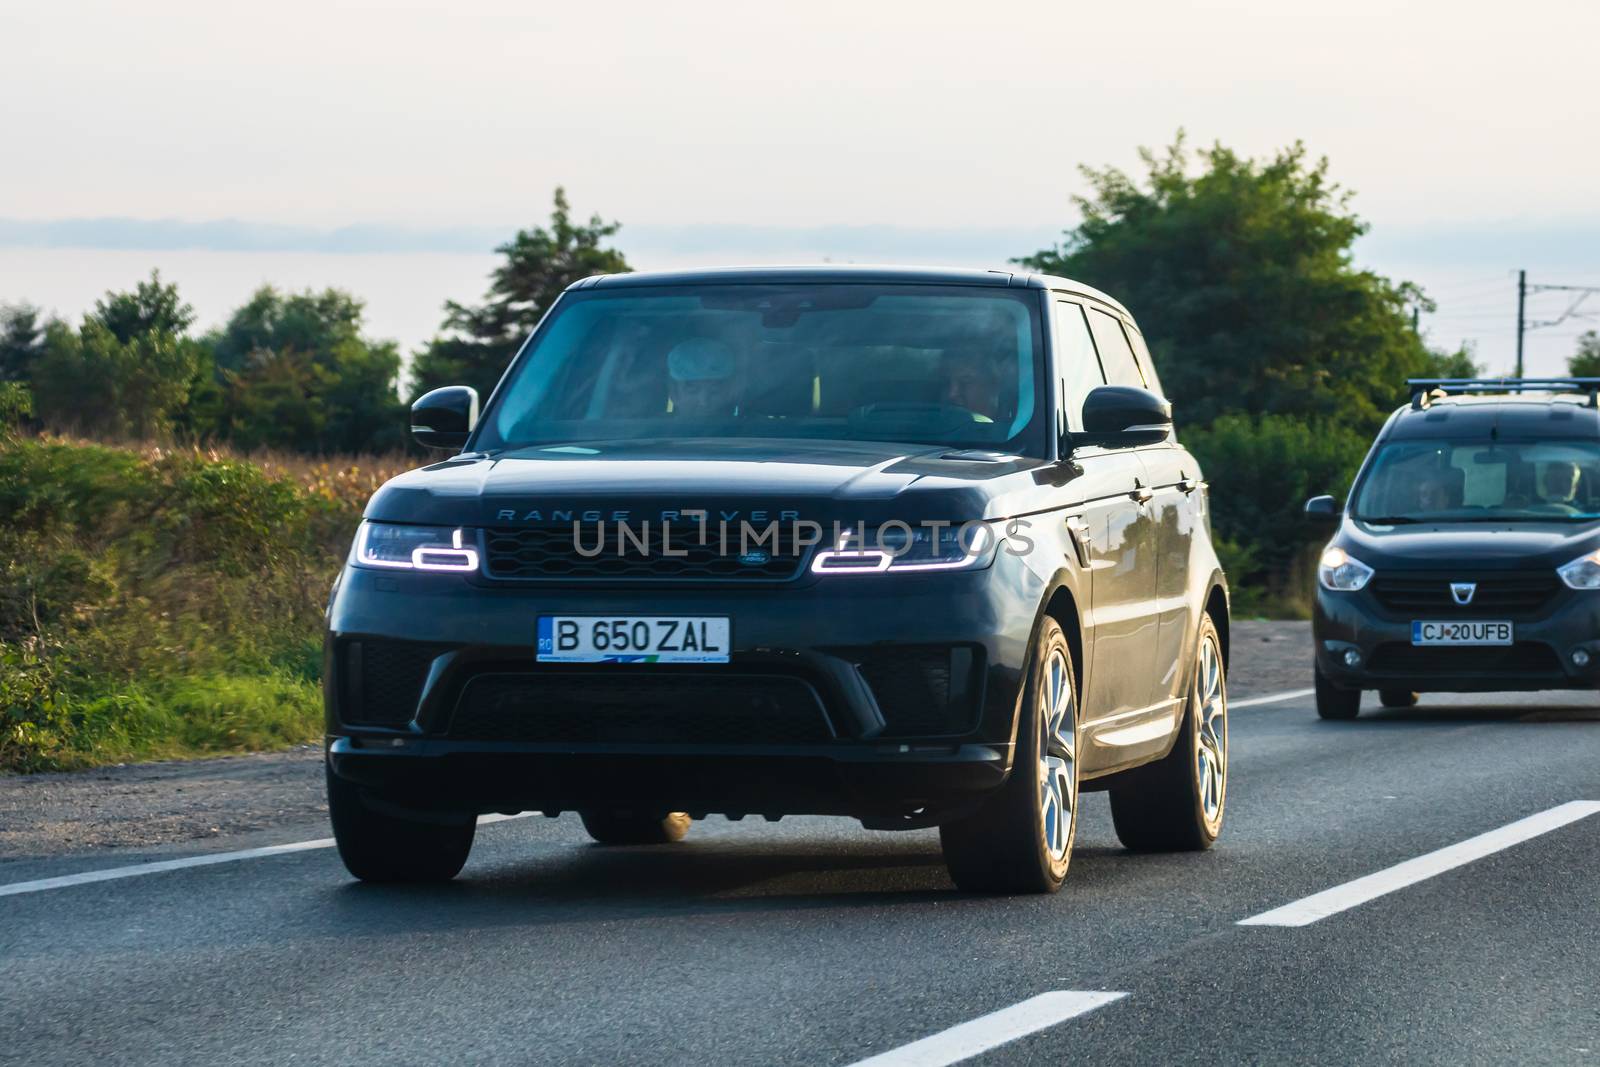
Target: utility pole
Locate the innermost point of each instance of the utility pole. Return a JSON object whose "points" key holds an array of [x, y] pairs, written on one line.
{"points": [[1522, 301]]}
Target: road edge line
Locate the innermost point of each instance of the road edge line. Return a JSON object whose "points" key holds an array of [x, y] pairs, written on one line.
{"points": [[1317, 906], [987, 1032]]}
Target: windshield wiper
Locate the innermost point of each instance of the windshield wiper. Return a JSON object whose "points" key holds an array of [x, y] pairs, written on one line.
{"points": [[1387, 520]]}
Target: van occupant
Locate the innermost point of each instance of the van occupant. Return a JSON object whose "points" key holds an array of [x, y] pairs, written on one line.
{"points": [[705, 381], [1560, 482]]}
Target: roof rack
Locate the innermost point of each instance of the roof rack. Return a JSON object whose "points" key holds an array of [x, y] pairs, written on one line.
{"points": [[1425, 391]]}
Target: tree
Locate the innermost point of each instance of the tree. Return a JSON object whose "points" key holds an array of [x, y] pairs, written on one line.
{"points": [[1457, 364], [1585, 362], [152, 307], [21, 340], [1242, 278], [539, 264], [92, 381], [297, 373]]}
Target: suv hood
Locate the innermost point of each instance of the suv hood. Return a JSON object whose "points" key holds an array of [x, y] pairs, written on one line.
{"points": [[1447, 546], [637, 480]]}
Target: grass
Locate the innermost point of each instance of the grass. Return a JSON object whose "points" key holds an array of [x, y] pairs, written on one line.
{"points": [[160, 601]]}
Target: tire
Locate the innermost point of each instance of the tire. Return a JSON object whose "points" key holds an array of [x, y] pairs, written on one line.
{"points": [[1177, 803], [1335, 702], [628, 828], [377, 847], [1397, 698], [1020, 840]]}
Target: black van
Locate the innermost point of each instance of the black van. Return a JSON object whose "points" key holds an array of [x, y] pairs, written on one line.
{"points": [[914, 546], [1468, 558]]}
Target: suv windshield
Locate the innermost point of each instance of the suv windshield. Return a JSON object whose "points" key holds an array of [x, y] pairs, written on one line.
{"points": [[1482, 481], [943, 365]]}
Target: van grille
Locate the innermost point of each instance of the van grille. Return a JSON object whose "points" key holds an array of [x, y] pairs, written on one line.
{"points": [[551, 553], [1525, 657], [1505, 595]]}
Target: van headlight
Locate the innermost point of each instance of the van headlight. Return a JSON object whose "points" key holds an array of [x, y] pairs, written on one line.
{"points": [[1340, 572], [422, 548], [1583, 572], [901, 547]]}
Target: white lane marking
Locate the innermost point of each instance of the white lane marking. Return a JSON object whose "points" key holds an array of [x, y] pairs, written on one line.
{"points": [[108, 874], [1271, 698], [993, 1030], [1351, 894]]}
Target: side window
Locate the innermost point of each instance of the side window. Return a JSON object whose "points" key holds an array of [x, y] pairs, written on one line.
{"points": [[1116, 356], [1077, 366], [1146, 364]]}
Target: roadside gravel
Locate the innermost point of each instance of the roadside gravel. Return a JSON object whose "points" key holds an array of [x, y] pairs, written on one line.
{"points": [[183, 803]]}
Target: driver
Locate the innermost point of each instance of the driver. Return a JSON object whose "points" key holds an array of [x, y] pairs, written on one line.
{"points": [[972, 381], [1560, 482], [704, 378]]}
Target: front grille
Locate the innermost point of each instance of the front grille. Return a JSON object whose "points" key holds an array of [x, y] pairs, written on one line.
{"points": [[1510, 595], [922, 692], [553, 553], [383, 680], [1525, 657], [665, 709]]}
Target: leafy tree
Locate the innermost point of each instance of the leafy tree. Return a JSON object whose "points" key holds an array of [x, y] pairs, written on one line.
{"points": [[1242, 278], [90, 380], [152, 307], [539, 263], [297, 373], [21, 340], [1585, 362], [1457, 364]]}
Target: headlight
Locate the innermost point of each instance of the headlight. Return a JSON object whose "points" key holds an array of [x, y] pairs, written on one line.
{"points": [[422, 548], [1583, 572], [899, 546], [1341, 572]]}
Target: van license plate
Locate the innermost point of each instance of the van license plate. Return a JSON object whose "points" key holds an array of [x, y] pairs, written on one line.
{"points": [[1461, 633], [632, 639]]}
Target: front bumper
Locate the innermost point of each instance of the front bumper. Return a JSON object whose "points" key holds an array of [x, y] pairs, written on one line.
{"points": [[797, 722], [1540, 658]]}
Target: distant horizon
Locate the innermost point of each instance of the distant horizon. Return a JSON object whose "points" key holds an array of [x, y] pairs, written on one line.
{"points": [[404, 274]]}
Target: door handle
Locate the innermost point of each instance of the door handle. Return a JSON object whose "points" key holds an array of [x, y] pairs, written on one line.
{"points": [[1143, 494], [1189, 485]]}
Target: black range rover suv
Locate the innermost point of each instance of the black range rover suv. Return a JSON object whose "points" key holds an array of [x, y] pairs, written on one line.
{"points": [[913, 546], [1468, 558]]}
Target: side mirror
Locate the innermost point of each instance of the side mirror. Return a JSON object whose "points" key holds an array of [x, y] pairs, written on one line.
{"points": [[445, 417], [1322, 508], [1121, 416]]}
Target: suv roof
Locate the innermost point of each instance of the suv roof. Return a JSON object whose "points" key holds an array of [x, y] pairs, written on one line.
{"points": [[835, 273], [1519, 415]]}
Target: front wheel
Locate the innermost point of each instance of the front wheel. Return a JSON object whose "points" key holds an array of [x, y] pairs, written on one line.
{"points": [[1020, 841], [1336, 702], [1176, 804], [378, 847]]}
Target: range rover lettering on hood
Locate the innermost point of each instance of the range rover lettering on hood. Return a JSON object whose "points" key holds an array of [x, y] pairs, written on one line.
{"points": [[635, 515]]}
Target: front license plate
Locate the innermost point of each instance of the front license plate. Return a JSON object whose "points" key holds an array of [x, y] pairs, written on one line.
{"points": [[632, 639], [1460, 633]]}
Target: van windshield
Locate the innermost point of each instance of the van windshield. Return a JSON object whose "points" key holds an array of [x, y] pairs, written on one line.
{"points": [[1481, 481], [944, 365]]}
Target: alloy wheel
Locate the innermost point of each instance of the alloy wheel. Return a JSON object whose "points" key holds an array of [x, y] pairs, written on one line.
{"points": [[1058, 756], [1211, 715]]}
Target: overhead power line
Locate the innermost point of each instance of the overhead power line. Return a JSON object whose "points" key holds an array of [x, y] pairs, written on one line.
{"points": [[1574, 310]]}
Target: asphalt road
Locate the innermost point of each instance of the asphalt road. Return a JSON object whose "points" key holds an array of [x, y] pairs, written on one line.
{"points": [[815, 942]]}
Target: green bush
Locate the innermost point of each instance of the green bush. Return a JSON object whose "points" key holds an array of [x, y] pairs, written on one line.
{"points": [[1261, 472], [157, 604]]}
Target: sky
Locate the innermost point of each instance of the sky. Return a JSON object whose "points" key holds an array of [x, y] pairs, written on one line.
{"points": [[388, 147]]}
